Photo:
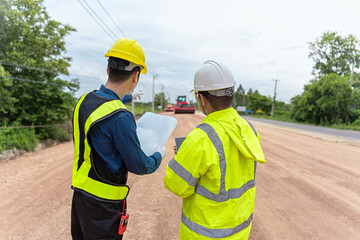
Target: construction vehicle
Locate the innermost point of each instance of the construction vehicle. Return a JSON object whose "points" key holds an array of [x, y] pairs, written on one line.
{"points": [[182, 106], [169, 108]]}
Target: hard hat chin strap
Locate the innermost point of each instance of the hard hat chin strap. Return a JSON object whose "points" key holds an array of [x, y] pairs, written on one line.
{"points": [[229, 92]]}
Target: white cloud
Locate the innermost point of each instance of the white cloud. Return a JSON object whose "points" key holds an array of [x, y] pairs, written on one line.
{"points": [[258, 40]]}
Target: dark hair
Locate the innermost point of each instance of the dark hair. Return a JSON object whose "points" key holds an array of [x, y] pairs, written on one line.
{"points": [[218, 103], [116, 74]]}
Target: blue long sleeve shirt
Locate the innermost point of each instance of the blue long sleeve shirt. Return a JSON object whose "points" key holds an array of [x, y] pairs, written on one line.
{"points": [[116, 141], [126, 98]]}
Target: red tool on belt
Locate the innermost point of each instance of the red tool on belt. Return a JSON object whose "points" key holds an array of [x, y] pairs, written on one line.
{"points": [[123, 220]]}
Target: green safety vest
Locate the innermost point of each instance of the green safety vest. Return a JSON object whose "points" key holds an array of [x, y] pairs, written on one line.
{"points": [[214, 173], [88, 166]]}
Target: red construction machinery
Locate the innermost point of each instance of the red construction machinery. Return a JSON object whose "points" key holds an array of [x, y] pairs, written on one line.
{"points": [[169, 108], [182, 106]]}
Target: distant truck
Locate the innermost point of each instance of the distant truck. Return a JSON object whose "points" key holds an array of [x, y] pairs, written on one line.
{"points": [[182, 106], [169, 108]]}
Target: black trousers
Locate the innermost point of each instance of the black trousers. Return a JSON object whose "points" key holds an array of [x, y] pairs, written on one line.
{"points": [[92, 219]]}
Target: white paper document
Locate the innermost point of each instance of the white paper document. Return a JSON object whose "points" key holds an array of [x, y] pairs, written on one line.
{"points": [[153, 130]]}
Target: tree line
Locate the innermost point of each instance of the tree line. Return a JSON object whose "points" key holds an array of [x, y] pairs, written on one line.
{"points": [[34, 95], [332, 97], [35, 100]]}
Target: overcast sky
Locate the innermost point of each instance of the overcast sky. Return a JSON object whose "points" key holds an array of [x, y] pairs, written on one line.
{"points": [[258, 40]]}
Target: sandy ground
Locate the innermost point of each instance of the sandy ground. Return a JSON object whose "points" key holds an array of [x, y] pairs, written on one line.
{"points": [[308, 189]]}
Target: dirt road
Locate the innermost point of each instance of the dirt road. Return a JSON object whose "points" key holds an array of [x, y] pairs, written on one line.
{"points": [[308, 189]]}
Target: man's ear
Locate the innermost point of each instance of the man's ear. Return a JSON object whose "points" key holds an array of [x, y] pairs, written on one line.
{"points": [[203, 99], [135, 76], [107, 71]]}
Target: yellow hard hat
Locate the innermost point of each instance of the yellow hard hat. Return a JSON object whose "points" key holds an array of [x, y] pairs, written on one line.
{"points": [[129, 50]]}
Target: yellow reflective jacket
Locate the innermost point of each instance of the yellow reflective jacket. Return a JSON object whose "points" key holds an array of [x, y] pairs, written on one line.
{"points": [[214, 172]]}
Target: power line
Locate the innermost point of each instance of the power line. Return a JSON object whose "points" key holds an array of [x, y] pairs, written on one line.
{"points": [[82, 52], [99, 21], [23, 66], [84, 76], [33, 81], [111, 19], [40, 69], [33, 126], [103, 25], [44, 69], [108, 14]]}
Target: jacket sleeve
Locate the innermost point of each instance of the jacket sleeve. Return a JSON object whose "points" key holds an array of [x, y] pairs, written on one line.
{"points": [[126, 99], [185, 169], [127, 144]]}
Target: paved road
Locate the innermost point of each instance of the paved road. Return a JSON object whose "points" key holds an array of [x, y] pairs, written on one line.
{"points": [[323, 130]]}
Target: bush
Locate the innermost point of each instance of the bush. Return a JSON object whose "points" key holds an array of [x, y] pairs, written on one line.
{"points": [[259, 112], [20, 138], [354, 115], [356, 122], [54, 133], [281, 113]]}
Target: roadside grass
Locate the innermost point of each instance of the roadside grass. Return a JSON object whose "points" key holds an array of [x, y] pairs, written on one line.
{"points": [[141, 109]]}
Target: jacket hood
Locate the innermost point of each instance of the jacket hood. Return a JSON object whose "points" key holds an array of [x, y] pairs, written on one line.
{"points": [[240, 132]]}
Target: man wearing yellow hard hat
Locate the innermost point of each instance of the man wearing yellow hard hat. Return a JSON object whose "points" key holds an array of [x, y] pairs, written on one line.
{"points": [[214, 169], [106, 147]]}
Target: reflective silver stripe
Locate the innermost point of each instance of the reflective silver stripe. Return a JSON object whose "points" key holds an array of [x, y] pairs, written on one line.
{"points": [[214, 138], [214, 233], [254, 130], [183, 173], [255, 163], [252, 127], [223, 195], [229, 194]]}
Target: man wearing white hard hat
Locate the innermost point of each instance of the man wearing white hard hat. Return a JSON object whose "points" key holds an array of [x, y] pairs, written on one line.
{"points": [[214, 169]]}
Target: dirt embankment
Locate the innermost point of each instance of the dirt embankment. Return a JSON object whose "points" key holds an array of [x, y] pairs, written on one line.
{"points": [[308, 189]]}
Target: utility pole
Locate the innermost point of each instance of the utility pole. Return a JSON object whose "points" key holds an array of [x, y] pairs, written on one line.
{"points": [[273, 103], [161, 97], [153, 92], [243, 97]]}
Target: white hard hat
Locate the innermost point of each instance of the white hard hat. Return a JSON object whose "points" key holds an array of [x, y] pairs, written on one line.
{"points": [[215, 78]]}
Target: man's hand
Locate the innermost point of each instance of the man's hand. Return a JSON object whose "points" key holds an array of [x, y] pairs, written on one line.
{"points": [[161, 150], [136, 94]]}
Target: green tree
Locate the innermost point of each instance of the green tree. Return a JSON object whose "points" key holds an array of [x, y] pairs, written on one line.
{"points": [[295, 110], [239, 97], [333, 53], [29, 37], [256, 101], [325, 101], [192, 103], [281, 106], [250, 91], [160, 100], [6, 100]]}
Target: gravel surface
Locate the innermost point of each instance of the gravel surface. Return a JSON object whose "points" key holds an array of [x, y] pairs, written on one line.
{"points": [[308, 189]]}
